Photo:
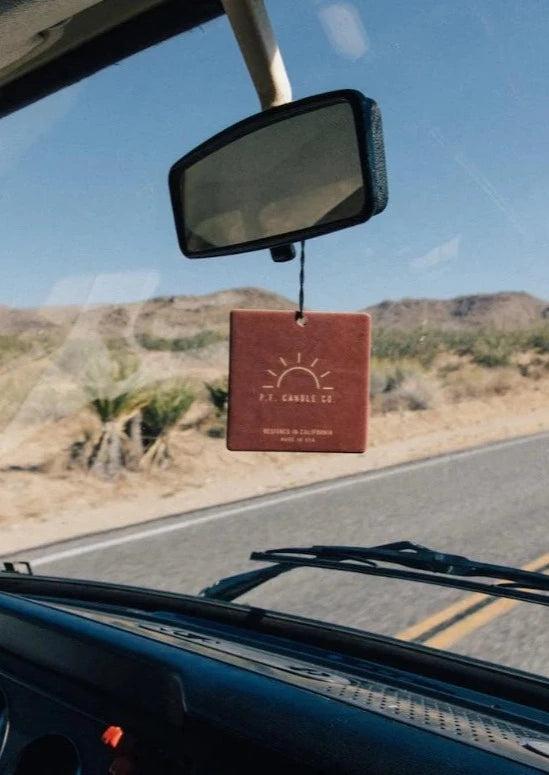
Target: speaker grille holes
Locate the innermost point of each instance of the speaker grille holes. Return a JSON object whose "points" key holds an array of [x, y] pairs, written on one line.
{"points": [[442, 717]]}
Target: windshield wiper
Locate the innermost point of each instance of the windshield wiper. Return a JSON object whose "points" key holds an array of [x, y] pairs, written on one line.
{"points": [[430, 567]]}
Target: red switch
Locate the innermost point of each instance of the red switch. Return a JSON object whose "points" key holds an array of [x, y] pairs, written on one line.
{"points": [[112, 736]]}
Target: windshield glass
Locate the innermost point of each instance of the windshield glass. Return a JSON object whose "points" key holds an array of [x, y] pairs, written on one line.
{"points": [[114, 347]]}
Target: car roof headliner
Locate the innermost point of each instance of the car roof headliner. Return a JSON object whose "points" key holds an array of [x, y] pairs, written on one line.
{"points": [[45, 46]]}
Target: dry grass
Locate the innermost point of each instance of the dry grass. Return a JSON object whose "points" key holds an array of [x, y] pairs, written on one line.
{"points": [[453, 368], [409, 372], [405, 386]]}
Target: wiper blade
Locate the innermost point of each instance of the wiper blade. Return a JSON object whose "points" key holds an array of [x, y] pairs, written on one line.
{"points": [[415, 556], [429, 567]]}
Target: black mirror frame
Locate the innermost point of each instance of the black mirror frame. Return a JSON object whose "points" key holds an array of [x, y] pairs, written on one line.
{"points": [[372, 159]]}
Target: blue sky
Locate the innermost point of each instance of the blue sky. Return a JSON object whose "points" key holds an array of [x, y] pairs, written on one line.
{"points": [[84, 208]]}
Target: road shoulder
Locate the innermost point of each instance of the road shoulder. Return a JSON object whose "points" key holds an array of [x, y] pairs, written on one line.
{"points": [[209, 475]]}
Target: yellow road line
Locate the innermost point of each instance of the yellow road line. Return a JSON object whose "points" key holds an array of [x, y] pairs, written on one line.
{"points": [[468, 623], [457, 631], [419, 629]]}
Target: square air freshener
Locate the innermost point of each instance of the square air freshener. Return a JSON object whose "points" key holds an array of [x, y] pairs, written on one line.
{"points": [[298, 386]]}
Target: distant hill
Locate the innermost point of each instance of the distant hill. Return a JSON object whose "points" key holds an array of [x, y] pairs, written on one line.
{"points": [[170, 317], [166, 317], [489, 311]]}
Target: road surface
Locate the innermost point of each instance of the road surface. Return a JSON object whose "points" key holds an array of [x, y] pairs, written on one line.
{"points": [[490, 503]]}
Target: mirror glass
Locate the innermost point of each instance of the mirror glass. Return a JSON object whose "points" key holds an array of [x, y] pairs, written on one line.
{"points": [[302, 171]]}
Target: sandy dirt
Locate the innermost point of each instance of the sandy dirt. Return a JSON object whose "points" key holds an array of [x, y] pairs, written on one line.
{"points": [[40, 507]]}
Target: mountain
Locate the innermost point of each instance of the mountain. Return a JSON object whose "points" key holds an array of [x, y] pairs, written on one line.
{"points": [[163, 317], [170, 317], [489, 311]]}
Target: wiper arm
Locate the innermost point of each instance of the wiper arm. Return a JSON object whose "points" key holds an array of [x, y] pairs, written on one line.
{"points": [[430, 567]]}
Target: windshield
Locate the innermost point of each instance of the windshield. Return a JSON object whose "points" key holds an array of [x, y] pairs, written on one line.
{"points": [[114, 347]]}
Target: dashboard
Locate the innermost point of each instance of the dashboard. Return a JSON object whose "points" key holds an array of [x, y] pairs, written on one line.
{"points": [[102, 689]]}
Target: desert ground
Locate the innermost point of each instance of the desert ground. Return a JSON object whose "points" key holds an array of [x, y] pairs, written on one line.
{"points": [[445, 375], [42, 507]]}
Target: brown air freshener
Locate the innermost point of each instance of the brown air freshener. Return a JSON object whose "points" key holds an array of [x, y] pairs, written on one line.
{"points": [[298, 385]]}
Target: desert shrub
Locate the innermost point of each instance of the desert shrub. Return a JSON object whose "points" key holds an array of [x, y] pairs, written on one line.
{"points": [[218, 393], [422, 346], [183, 343], [198, 341], [216, 432], [539, 340], [418, 393], [395, 378], [449, 368], [119, 347], [32, 345], [12, 347], [535, 368], [467, 383], [165, 405], [492, 350], [149, 342], [29, 393], [474, 381], [461, 343], [386, 376], [404, 385], [382, 403], [378, 377]]}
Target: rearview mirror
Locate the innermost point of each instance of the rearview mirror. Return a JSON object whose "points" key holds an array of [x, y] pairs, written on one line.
{"points": [[287, 174]]}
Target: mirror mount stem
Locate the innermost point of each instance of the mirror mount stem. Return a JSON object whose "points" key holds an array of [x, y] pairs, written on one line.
{"points": [[254, 34]]}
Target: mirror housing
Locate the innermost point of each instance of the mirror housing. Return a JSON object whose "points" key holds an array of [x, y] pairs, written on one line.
{"points": [[288, 174]]}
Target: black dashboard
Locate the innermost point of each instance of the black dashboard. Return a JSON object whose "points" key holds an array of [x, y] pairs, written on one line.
{"points": [[99, 688]]}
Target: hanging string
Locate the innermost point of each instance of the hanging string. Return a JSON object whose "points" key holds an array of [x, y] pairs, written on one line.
{"points": [[299, 315]]}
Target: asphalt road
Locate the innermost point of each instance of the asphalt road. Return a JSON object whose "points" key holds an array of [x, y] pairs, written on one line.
{"points": [[491, 503]]}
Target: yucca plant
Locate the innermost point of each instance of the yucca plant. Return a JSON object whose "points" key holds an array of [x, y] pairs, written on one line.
{"points": [[166, 404], [115, 397]]}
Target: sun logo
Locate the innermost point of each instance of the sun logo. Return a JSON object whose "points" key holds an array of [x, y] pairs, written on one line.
{"points": [[293, 368]]}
